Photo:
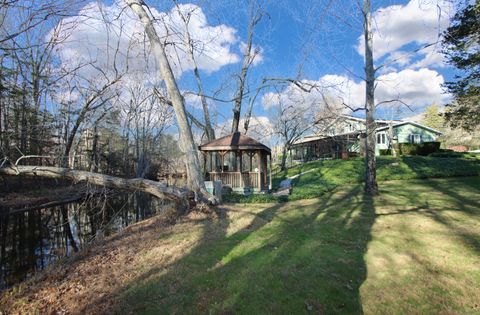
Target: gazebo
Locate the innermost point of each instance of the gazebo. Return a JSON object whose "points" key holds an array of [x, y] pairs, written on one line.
{"points": [[240, 162]]}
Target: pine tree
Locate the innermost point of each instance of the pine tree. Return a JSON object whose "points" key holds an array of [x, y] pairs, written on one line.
{"points": [[461, 46]]}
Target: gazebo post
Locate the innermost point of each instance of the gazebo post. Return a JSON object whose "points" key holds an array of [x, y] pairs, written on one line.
{"points": [[259, 163], [251, 160], [239, 165], [204, 164], [270, 186], [265, 168], [239, 168], [210, 153], [222, 162]]}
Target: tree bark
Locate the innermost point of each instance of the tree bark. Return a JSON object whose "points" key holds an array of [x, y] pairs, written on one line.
{"points": [[194, 173], [371, 187], [284, 157], [156, 189], [209, 131], [392, 144]]}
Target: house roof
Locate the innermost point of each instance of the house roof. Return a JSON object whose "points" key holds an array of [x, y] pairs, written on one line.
{"points": [[383, 121], [411, 123], [233, 142], [315, 138]]}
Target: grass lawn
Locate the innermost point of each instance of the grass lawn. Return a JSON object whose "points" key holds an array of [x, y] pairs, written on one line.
{"points": [[328, 174], [415, 249]]}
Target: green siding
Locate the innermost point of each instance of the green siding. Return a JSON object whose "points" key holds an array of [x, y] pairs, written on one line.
{"points": [[402, 133]]}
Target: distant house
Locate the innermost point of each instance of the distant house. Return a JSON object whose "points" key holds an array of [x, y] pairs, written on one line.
{"points": [[342, 138], [405, 132]]}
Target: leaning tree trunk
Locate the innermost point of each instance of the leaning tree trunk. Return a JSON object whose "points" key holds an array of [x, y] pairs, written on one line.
{"points": [[371, 187], [158, 48], [160, 190]]}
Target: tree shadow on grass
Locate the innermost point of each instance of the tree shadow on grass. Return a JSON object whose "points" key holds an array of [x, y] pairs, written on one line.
{"points": [[291, 258], [459, 192], [431, 167], [433, 227]]}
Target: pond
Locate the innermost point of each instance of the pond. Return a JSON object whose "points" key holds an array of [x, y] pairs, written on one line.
{"points": [[31, 240]]}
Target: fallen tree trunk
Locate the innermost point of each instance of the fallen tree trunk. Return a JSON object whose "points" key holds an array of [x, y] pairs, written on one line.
{"points": [[160, 190]]}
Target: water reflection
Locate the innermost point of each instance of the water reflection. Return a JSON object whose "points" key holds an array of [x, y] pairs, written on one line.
{"points": [[32, 240]]}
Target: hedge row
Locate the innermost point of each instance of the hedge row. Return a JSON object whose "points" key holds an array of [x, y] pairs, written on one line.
{"points": [[424, 148]]}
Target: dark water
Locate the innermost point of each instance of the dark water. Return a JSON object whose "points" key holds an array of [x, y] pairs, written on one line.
{"points": [[32, 240]]}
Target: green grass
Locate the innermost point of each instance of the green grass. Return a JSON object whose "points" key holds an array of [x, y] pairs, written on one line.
{"points": [[412, 250], [329, 174]]}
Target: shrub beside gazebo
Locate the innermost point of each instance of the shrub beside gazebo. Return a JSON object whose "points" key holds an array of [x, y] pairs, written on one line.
{"points": [[240, 162]]}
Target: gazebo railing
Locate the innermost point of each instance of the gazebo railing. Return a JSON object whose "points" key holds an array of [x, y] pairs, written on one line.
{"points": [[239, 179]]}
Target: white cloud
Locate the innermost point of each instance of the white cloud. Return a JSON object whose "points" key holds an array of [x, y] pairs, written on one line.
{"points": [[417, 23], [212, 43], [192, 100], [400, 58], [432, 57], [417, 88], [98, 30], [414, 87]]}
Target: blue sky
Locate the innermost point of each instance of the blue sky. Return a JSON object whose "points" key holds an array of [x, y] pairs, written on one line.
{"points": [[324, 39], [319, 41]]}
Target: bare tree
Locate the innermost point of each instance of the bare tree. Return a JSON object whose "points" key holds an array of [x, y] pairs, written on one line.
{"points": [[195, 177], [27, 42], [290, 123], [249, 54], [90, 97], [191, 47], [144, 120], [371, 186], [18, 17]]}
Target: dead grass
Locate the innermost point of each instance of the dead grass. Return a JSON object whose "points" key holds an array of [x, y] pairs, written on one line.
{"points": [[89, 281], [413, 250]]}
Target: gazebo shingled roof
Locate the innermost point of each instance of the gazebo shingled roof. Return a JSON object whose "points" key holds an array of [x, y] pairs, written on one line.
{"points": [[234, 141]]}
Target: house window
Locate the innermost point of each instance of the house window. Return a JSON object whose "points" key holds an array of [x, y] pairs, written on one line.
{"points": [[381, 139], [415, 138], [349, 127]]}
